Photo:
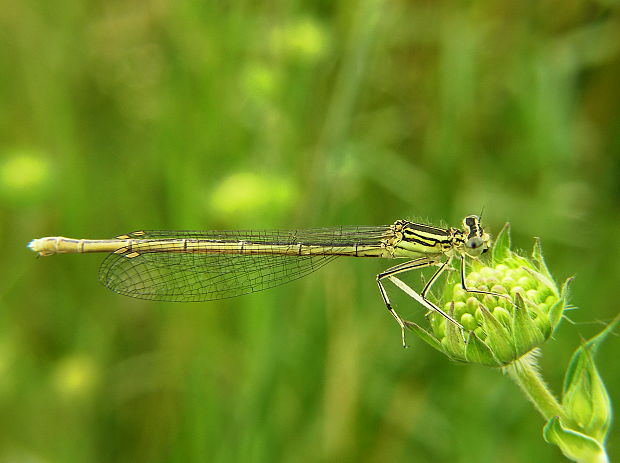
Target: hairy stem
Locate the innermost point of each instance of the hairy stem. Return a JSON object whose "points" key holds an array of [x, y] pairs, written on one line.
{"points": [[525, 373]]}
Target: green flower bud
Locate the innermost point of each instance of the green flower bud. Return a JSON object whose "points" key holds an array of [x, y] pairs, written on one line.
{"points": [[581, 433], [585, 398], [519, 309]]}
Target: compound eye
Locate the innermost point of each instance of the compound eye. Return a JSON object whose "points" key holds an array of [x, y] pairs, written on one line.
{"points": [[474, 243]]}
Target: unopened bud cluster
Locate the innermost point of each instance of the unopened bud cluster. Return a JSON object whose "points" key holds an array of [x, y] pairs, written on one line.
{"points": [[523, 309]]}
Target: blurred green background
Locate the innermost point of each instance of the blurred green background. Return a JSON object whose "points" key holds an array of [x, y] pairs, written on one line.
{"points": [[124, 115]]}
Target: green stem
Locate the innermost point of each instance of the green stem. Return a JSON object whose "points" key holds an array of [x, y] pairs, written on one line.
{"points": [[525, 373]]}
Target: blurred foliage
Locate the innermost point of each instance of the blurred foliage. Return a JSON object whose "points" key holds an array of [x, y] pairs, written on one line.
{"points": [[125, 115]]}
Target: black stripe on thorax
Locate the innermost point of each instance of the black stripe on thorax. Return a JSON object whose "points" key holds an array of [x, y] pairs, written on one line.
{"points": [[426, 229], [423, 239]]}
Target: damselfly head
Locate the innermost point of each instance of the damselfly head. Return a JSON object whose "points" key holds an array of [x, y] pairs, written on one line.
{"points": [[477, 241]]}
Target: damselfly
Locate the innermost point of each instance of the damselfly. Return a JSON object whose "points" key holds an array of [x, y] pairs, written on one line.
{"points": [[192, 266]]}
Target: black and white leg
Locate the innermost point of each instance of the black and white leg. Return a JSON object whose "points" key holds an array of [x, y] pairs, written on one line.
{"points": [[420, 298]]}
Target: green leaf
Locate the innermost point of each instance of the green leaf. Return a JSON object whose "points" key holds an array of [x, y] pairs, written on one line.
{"points": [[501, 247], [556, 312], [574, 445], [454, 344], [498, 337], [543, 278], [538, 258], [477, 351], [525, 332], [424, 335]]}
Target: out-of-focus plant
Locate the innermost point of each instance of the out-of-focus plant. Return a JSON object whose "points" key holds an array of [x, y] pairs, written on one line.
{"points": [[507, 331]]}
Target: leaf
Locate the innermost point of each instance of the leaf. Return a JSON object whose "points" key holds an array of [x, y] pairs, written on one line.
{"points": [[454, 343], [477, 351], [424, 335], [525, 332], [501, 247], [538, 258], [557, 310], [574, 445], [498, 337]]}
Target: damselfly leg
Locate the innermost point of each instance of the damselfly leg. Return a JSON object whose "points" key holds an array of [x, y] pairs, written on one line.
{"points": [[420, 298], [478, 291]]}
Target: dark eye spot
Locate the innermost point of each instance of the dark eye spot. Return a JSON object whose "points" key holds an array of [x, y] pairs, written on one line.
{"points": [[474, 243]]}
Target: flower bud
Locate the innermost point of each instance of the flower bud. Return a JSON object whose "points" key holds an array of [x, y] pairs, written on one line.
{"points": [[516, 308]]}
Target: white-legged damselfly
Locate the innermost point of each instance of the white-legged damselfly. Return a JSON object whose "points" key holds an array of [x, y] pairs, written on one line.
{"points": [[192, 266]]}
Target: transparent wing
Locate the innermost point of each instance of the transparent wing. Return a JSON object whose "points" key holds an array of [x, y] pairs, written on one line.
{"points": [[194, 277]]}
